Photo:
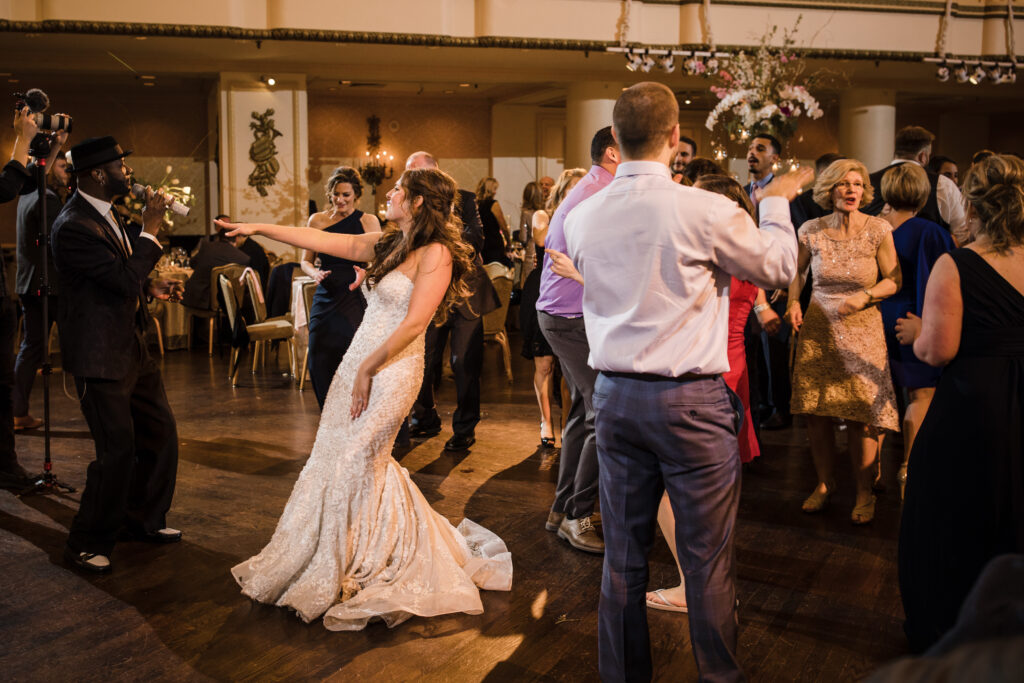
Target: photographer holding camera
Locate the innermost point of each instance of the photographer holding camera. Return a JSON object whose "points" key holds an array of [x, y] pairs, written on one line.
{"points": [[15, 178], [29, 284], [104, 281]]}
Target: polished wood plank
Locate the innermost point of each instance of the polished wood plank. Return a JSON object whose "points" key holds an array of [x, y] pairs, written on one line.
{"points": [[819, 599]]}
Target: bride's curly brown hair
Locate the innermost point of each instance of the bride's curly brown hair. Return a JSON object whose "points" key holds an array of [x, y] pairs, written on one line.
{"points": [[433, 221]]}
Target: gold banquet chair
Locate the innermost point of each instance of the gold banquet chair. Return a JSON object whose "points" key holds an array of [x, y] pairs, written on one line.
{"points": [[277, 329], [494, 322], [259, 308], [233, 271]]}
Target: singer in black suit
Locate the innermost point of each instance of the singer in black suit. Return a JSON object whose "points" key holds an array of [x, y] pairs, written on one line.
{"points": [[104, 281], [465, 326]]}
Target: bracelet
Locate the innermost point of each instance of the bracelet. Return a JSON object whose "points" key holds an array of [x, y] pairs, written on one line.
{"points": [[760, 307], [871, 297]]}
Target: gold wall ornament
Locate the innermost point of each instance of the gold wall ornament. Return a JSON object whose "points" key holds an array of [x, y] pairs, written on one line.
{"points": [[263, 151]]}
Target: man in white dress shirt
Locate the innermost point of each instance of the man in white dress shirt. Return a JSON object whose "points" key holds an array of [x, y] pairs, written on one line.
{"points": [[656, 258]]}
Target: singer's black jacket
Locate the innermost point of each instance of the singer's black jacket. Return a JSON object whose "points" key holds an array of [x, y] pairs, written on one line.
{"points": [[102, 306]]}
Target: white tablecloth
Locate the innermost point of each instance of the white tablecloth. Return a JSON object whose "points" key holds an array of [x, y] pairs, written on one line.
{"points": [[298, 309], [171, 314]]}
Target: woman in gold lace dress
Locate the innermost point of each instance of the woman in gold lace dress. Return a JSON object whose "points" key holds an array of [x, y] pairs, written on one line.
{"points": [[842, 367]]}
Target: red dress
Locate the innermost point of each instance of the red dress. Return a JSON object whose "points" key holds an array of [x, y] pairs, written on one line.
{"points": [[741, 300]]}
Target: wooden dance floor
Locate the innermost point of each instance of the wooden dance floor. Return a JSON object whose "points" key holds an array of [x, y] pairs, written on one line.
{"points": [[818, 597]]}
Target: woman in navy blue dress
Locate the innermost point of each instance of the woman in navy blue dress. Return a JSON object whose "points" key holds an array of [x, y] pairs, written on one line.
{"points": [[337, 310], [919, 243]]}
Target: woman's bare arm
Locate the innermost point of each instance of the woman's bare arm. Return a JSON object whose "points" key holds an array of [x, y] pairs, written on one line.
{"points": [[942, 315], [430, 282], [794, 316], [351, 247]]}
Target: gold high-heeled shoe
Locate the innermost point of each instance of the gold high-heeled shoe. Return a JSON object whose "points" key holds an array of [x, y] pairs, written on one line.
{"points": [[817, 500], [864, 513]]}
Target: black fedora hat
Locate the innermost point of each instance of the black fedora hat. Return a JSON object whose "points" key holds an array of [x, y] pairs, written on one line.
{"points": [[96, 152]]}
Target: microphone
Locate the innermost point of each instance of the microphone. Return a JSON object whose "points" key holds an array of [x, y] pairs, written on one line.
{"points": [[177, 207]]}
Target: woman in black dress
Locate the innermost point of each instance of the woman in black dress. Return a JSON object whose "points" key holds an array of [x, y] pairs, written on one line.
{"points": [[337, 310], [965, 490], [535, 346], [495, 227]]}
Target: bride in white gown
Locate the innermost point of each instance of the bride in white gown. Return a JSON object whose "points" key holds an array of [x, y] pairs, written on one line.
{"points": [[357, 540]]}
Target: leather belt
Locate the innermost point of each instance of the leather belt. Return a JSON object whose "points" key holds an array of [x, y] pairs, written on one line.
{"points": [[648, 377]]}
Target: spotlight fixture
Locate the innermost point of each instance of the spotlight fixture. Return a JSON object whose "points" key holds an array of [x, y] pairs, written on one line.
{"points": [[995, 74], [269, 80], [1011, 75], [647, 64], [687, 101], [961, 74], [667, 63], [977, 76], [633, 61], [942, 73], [694, 66]]}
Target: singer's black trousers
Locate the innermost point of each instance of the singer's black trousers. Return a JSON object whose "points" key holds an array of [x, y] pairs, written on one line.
{"points": [[131, 482]]}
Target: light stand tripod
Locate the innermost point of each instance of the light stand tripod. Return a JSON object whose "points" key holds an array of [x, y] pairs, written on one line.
{"points": [[46, 482]]}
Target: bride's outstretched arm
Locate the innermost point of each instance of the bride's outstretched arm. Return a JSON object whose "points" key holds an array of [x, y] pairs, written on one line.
{"points": [[351, 247], [431, 279]]}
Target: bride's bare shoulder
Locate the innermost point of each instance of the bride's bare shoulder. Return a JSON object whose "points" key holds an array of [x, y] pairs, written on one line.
{"points": [[430, 256]]}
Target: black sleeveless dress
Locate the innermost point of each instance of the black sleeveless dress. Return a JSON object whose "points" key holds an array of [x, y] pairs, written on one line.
{"points": [[965, 485], [494, 243], [534, 343], [336, 312]]}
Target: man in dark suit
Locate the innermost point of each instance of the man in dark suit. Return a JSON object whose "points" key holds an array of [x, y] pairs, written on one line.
{"points": [[466, 327], [219, 250], [104, 281]]}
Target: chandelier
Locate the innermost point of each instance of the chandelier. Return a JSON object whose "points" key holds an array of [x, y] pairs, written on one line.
{"points": [[378, 166]]}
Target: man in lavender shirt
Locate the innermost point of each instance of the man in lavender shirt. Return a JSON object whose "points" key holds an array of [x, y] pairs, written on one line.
{"points": [[560, 315]]}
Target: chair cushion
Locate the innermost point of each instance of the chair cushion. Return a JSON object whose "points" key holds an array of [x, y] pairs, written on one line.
{"points": [[270, 330]]}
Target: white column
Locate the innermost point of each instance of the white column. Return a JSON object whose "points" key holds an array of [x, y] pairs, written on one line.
{"points": [[588, 109], [867, 126]]}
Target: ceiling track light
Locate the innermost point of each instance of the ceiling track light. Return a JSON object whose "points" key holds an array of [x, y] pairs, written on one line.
{"points": [[667, 63], [974, 71], [269, 80], [633, 61]]}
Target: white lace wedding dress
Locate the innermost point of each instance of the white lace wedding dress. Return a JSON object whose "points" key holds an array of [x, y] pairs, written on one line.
{"points": [[357, 539]]}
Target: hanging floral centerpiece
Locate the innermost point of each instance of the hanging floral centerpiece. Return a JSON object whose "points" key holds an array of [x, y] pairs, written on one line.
{"points": [[763, 92]]}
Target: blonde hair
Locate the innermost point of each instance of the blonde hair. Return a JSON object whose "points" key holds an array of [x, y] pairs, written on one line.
{"points": [[562, 188], [486, 189], [833, 175], [906, 187], [995, 188]]}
